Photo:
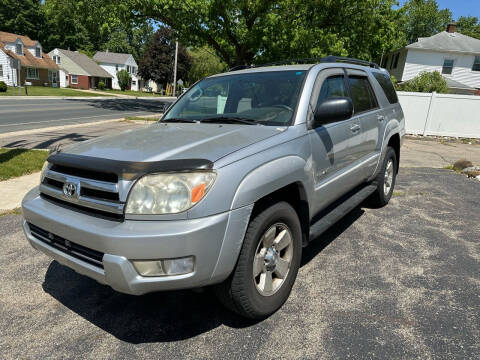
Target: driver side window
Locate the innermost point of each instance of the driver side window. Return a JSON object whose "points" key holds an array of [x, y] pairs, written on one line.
{"points": [[333, 86]]}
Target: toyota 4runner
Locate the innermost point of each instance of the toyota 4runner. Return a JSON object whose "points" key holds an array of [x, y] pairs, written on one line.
{"points": [[239, 174]]}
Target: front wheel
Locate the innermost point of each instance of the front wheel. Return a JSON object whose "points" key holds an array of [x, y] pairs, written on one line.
{"points": [[267, 265]]}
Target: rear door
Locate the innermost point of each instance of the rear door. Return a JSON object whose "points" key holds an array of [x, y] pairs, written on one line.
{"points": [[369, 116]]}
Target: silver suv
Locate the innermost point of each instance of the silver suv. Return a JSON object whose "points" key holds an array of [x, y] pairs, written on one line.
{"points": [[241, 172]]}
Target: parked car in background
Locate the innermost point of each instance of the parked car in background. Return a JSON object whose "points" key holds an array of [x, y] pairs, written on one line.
{"points": [[243, 171]]}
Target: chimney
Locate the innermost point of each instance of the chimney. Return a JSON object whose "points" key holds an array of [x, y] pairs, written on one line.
{"points": [[452, 27]]}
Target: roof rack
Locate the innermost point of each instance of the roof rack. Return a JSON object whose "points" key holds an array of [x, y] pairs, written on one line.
{"points": [[326, 59]]}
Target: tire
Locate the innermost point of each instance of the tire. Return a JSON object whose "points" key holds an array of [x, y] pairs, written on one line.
{"points": [[381, 196], [250, 296]]}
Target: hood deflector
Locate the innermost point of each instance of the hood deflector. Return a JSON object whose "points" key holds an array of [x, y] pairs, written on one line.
{"points": [[127, 170]]}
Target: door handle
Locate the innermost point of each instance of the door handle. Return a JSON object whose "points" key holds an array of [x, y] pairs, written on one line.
{"points": [[355, 128], [380, 118]]}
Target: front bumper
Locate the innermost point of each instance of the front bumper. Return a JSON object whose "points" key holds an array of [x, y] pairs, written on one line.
{"points": [[213, 241]]}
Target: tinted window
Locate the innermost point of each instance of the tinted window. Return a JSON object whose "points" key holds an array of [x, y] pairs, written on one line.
{"points": [[476, 64], [387, 86], [333, 86], [362, 94]]}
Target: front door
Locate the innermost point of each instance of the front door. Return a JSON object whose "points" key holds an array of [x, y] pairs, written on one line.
{"points": [[92, 82], [331, 144]]}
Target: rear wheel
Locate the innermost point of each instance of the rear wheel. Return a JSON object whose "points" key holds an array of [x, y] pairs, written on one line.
{"points": [[385, 180], [267, 265]]}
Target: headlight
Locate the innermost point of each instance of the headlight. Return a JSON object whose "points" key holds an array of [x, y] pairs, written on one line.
{"points": [[168, 193], [44, 170]]}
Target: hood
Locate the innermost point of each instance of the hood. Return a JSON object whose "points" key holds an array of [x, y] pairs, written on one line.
{"points": [[169, 141]]}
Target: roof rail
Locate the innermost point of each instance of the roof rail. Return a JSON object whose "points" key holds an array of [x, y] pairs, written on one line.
{"points": [[348, 61], [326, 59]]}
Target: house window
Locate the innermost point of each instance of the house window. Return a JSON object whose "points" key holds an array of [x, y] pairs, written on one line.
{"points": [[116, 67], [476, 64], [447, 66], [74, 79], [134, 82], [38, 52], [19, 49], [1, 71], [32, 73], [56, 59], [128, 69]]}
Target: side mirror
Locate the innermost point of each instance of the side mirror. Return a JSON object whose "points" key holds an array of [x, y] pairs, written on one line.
{"points": [[332, 110]]}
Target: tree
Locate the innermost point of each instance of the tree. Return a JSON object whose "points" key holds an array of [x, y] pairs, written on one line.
{"points": [[24, 17], [204, 63], [157, 63], [256, 31], [124, 79], [423, 19], [425, 82], [469, 25]]}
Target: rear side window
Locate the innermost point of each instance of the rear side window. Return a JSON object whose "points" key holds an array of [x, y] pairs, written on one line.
{"points": [[387, 86], [362, 94], [334, 86]]}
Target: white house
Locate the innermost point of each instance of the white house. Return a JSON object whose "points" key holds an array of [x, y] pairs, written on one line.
{"points": [[23, 60], [79, 71], [114, 62], [455, 56]]}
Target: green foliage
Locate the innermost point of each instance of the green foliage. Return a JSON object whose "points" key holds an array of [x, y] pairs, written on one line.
{"points": [[204, 63], [124, 79], [426, 82], [422, 18], [258, 31], [23, 17], [101, 85], [469, 25], [3, 87], [158, 59]]}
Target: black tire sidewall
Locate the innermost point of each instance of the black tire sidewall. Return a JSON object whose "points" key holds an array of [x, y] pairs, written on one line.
{"points": [[257, 304]]}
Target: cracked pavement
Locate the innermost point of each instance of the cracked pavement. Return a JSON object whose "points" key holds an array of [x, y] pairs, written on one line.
{"points": [[401, 282]]}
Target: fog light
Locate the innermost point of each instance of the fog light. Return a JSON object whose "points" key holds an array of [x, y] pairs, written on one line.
{"points": [[164, 267]]}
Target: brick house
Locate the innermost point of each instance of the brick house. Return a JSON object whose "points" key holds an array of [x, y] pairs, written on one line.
{"points": [[78, 71], [23, 60]]}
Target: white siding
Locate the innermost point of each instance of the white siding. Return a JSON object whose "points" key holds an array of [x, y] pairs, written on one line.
{"points": [[9, 77], [398, 71], [420, 60], [112, 70]]}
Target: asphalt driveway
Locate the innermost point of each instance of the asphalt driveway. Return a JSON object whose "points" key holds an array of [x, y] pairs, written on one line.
{"points": [[401, 282]]}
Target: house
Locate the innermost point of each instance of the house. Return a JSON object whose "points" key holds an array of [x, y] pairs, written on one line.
{"points": [[79, 71], [23, 60], [114, 62], [455, 56]]}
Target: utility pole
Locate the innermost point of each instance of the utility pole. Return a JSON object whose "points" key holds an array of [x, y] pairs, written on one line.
{"points": [[175, 69]]}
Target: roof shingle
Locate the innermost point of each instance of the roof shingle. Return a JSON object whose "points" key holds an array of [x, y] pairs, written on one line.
{"points": [[111, 58], [445, 41], [87, 64]]}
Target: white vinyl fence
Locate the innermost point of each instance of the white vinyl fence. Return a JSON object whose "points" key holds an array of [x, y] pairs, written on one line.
{"points": [[441, 114]]}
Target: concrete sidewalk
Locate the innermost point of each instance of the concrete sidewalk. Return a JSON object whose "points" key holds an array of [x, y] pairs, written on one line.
{"points": [[12, 191]]}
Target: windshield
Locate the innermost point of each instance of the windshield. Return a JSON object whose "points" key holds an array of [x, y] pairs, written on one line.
{"points": [[267, 98]]}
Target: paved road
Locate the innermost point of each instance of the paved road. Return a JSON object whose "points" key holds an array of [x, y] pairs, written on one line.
{"points": [[401, 282], [23, 114]]}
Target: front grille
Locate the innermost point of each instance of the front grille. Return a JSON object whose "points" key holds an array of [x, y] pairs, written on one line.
{"points": [[84, 173], [90, 196], [77, 251]]}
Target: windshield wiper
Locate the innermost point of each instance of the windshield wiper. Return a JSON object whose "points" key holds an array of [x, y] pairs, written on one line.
{"points": [[230, 119], [179, 120]]}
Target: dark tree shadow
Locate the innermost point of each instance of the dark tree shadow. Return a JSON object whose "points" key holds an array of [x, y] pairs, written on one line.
{"points": [[158, 317]]}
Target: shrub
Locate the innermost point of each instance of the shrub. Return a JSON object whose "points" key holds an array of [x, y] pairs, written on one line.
{"points": [[462, 164], [3, 87], [123, 79], [426, 82], [101, 85]]}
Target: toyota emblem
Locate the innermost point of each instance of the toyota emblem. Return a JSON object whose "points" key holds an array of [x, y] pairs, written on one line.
{"points": [[69, 189]]}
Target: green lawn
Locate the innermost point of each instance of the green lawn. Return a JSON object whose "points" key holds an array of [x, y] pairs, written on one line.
{"points": [[45, 91], [18, 162], [129, 92]]}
